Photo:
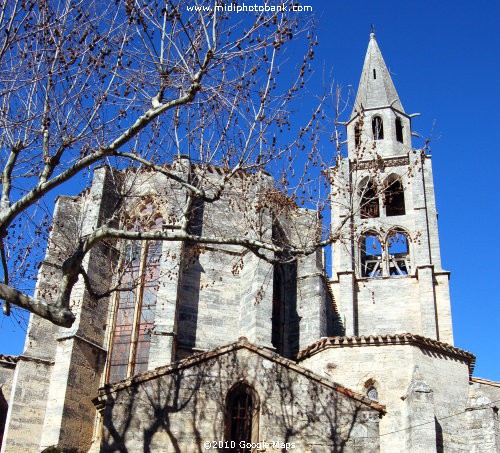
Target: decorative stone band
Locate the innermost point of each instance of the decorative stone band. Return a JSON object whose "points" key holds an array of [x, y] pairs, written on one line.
{"points": [[242, 343], [389, 340], [391, 162]]}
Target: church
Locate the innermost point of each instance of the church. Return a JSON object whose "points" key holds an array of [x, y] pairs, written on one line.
{"points": [[214, 348]]}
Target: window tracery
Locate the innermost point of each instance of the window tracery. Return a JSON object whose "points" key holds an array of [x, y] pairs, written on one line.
{"points": [[133, 316]]}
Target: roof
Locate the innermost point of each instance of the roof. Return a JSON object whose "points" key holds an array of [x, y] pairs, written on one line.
{"points": [[485, 382], [376, 88], [242, 343], [9, 359], [389, 340]]}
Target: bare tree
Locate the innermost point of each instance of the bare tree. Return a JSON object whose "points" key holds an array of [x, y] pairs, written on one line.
{"points": [[132, 85]]}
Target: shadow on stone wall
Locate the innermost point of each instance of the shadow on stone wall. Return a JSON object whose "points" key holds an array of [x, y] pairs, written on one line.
{"points": [[181, 410]]}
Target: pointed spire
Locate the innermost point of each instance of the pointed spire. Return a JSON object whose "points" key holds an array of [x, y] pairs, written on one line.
{"points": [[376, 88]]}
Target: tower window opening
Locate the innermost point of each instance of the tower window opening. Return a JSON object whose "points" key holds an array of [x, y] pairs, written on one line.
{"points": [[357, 135], [374, 73], [399, 130], [377, 128], [369, 201], [371, 256], [399, 256], [241, 417], [394, 197]]}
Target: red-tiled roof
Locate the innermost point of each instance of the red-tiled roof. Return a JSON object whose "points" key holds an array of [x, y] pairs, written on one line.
{"points": [[242, 343], [485, 381], [395, 339]]}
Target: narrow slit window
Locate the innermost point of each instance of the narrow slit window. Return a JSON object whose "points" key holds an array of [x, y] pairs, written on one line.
{"points": [[357, 135], [399, 130], [377, 128], [374, 73]]}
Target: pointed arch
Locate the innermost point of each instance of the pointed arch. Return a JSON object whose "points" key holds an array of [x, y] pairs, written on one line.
{"points": [[371, 391], [242, 415], [371, 263], [132, 319], [398, 252], [394, 196], [369, 199], [378, 128]]}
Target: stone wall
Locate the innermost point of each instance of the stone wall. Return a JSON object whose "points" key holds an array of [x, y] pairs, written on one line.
{"points": [[390, 367], [181, 408]]}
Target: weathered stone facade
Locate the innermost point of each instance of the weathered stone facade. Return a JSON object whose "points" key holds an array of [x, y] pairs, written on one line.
{"points": [[363, 362]]}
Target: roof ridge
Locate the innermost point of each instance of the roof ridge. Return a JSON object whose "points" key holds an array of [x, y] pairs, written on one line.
{"points": [[241, 343]]}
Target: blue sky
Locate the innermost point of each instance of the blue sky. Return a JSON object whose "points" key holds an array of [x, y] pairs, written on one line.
{"points": [[444, 60]]}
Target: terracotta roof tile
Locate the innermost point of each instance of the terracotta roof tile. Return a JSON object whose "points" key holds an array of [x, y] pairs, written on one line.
{"points": [[240, 344], [377, 340]]}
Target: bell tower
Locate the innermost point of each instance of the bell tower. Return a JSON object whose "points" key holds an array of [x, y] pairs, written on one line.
{"points": [[387, 276]]}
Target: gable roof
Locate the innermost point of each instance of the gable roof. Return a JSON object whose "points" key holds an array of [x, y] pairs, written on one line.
{"points": [[242, 343], [389, 340]]}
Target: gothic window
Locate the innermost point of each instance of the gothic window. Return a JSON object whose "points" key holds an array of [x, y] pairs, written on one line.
{"points": [[241, 417], [399, 130], [285, 320], [394, 196], [377, 128], [371, 256], [135, 302], [372, 393], [369, 200], [398, 253]]}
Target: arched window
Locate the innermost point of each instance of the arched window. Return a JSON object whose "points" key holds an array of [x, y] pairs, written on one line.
{"points": [[241, 416], [398, 253], [377, 128], [399, 130], [394, 196], [135, 303], [357, 135], [372, 393], [371, 256], [369, 200]]}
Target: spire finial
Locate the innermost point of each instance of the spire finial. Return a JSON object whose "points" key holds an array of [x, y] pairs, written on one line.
{"points": [[372, 32]]}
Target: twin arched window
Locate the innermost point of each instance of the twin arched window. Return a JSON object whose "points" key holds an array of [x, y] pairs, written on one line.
{"points": [[393, 259], [393, 198]]}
